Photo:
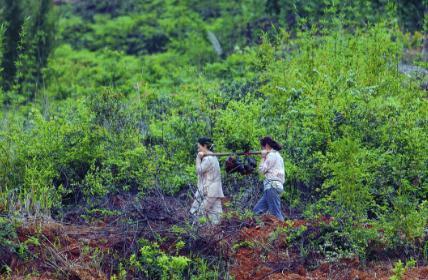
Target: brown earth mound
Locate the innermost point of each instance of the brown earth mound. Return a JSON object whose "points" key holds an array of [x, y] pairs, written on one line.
{"points": [[254, 248], [262, 258]]}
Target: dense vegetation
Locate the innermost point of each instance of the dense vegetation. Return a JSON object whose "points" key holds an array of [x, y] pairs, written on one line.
{"points": [[108, 97]]}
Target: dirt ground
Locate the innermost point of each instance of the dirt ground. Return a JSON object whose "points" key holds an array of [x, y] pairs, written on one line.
{"points": [[253, 263], [67, 250]]}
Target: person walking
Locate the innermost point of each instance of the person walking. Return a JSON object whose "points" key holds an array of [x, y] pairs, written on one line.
{"points": [[209, 194], [272, 168]]}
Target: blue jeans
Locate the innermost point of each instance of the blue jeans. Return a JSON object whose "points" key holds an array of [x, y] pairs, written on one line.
{"points": [[271, 202]]}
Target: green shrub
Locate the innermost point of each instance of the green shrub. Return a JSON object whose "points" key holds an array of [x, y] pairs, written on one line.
{"points": [[152, 263], [404, 225], [399, 269], [10, 246], [73, 73], [238, 126], [347, 187]]}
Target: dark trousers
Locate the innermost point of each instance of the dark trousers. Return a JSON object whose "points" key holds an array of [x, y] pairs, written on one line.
{"points": [[271, 202]]}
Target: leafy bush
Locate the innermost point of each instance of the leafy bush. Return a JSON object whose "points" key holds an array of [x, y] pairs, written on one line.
{"points": [[399, 269], [8, 238], [10, 245], [237, 127], [324, 108], [152, 263], [404, 226], [138, 34], [75, 73]]}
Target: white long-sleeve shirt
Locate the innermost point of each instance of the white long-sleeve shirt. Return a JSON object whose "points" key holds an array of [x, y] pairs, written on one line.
{"points": [[272, 167], [209, 177]]}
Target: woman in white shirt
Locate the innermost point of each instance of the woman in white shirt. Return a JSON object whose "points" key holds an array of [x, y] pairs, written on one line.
{"points": [[272, 167], [210, 192]]}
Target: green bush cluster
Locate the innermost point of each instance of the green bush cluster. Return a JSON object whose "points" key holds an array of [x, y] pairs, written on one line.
{"points": [[152, 263]]}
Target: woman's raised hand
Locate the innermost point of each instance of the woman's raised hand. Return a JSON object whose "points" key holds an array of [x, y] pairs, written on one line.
{"points": [[201, 155], [264, 153]]}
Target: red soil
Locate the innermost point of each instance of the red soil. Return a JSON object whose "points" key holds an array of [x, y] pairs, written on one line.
{"points": [[261, 259]]}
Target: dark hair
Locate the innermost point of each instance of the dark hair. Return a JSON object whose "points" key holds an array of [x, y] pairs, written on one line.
{"points": [[206, 141], [269, 141]]}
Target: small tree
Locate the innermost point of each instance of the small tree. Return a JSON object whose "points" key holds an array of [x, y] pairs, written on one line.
{"points": [[12, 16], [2, 29], [36, 43], [425, 47]]}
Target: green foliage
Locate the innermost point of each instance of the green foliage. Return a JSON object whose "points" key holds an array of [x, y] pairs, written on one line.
{"points": [[335, 241], [68, 146], [353, 13], [2, 37], [10, 246], [243, 244], [7, 237], [152, 263], [12, 20], [288, 233], [134, 34], [28, 54], [331, 114], [399, 269], [27, 74], [88, 9], [235, 136], [118, 104], [81, 73], [348, 183], [405, 223]]}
